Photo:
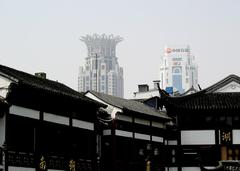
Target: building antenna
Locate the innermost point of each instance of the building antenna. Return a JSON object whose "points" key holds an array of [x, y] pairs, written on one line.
{"points": [[96, 73], [199, 87]]}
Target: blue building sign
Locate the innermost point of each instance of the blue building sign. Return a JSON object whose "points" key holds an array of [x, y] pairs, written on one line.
{"points": [[169, 90]]}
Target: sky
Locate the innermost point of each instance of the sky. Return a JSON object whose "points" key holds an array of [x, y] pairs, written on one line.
{"points": [[43, 36]]}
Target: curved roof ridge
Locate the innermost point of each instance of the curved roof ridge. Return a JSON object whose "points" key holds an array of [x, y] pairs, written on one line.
{"points": [[130, 105], [223, 82]]}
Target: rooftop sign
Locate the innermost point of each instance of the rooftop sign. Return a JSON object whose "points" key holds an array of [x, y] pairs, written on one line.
{"points": [[170, 50]]}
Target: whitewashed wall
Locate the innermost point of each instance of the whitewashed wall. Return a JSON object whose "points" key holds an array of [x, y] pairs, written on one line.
{"points": [[83, 124], [142, 121], [157, 139], [142, 136], [55, 118], [191, 169], [124, 133], [2, 130], [11, 168], [146, 95], [172, 142], [25, 112], [4, 84], [198, 137], [236, 136], [171, 169], [231, 87]]}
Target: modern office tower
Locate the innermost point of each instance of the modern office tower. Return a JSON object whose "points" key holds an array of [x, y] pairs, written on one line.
{"points": [[102, 72], [178, 71]]}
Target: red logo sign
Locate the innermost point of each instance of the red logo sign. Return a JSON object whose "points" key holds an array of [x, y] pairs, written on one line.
{"points": [[168, 50]]}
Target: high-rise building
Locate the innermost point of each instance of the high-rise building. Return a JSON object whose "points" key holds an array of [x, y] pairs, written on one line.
{"points": [[102, 72], [178, 70]]}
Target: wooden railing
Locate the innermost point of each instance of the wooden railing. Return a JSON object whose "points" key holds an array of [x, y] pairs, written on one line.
{"points": [[23, 159]]}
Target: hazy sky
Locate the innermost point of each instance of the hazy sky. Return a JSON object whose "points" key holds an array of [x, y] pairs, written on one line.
{"points": [[43, 35]]}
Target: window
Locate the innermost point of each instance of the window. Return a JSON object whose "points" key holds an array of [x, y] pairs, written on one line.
{"points": [[229, 153], [177, 59], [93, 65], [229, 120], [236, 121], [110, 64], [177, 70], [177, 82]]}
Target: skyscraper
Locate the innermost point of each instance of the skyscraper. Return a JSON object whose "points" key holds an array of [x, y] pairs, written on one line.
{"points": [[102, 72], [178, 70]]}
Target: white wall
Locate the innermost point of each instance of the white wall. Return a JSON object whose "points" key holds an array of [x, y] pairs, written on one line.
{"points": [[12, 168], [4, 83], [191, 169], [124, 133], [183, 169], [236, 136], [231, 87], [158, 125], [142, 121], [56, 118], [2, 130], [145, 95], [83, 124], [124, 118], [142, 136], [171, 169], [157, 139], [172, 142], [199, 137], [21, 111]]}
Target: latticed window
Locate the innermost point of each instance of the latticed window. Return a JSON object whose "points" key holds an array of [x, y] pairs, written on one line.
{"points": [[230, 153]]}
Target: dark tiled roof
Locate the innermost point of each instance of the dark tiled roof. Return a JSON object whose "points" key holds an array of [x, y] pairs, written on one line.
{"points": [[208, 98], [189, 91], [207, 101], [130, 105], [54, 87]]}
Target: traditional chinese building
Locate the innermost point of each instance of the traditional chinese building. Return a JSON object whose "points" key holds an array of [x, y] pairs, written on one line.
{"points": [[207, 125], [134, 136], [45, 125]]}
